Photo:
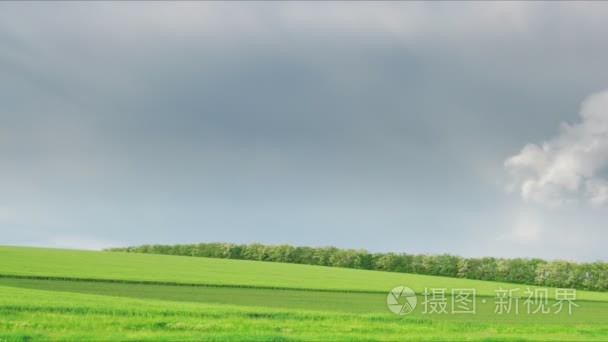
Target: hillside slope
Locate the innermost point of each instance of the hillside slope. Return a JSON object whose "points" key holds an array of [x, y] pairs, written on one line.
{"points": [[27, 261]]}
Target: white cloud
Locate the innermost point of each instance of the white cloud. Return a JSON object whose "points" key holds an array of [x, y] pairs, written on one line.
{"points": [[524, 226], [568, 167], [527, 228], [598, 192]]}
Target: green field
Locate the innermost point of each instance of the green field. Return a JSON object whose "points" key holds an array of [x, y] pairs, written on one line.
{"points": [[75, 295]]}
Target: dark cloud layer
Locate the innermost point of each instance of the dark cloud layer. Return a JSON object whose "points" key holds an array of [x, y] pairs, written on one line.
{"points": [[376, 125]]}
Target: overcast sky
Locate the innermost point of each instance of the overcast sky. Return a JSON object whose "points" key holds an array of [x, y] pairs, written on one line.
{"points": [[468, 128]]}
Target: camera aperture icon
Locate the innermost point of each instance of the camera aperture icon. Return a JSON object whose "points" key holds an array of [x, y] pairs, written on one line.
{"points": [[401, 300]]}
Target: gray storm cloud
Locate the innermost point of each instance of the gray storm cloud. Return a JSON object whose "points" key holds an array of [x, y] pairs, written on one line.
{"points": [[569, 167], [325, 123]]}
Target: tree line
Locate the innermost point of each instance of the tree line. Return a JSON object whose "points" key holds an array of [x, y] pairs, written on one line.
{"points": [[556, 273]]}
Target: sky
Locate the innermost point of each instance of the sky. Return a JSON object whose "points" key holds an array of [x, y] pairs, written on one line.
{"points": [[477, 129]]}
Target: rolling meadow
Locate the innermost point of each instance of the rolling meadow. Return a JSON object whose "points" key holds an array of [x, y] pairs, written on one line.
{"points": [[54, 294]]}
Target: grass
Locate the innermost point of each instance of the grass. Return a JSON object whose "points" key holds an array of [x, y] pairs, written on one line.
{"points": [[41, 314], [99, 309], [226, 272]]}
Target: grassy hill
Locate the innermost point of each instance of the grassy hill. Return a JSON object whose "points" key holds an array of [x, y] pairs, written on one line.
{"points": [[178, 269], [70, 294], [592, 276]]}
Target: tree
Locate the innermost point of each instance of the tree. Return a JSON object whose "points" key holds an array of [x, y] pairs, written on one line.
{"points": [[557, 273], [303, 255], [323, 255]]}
